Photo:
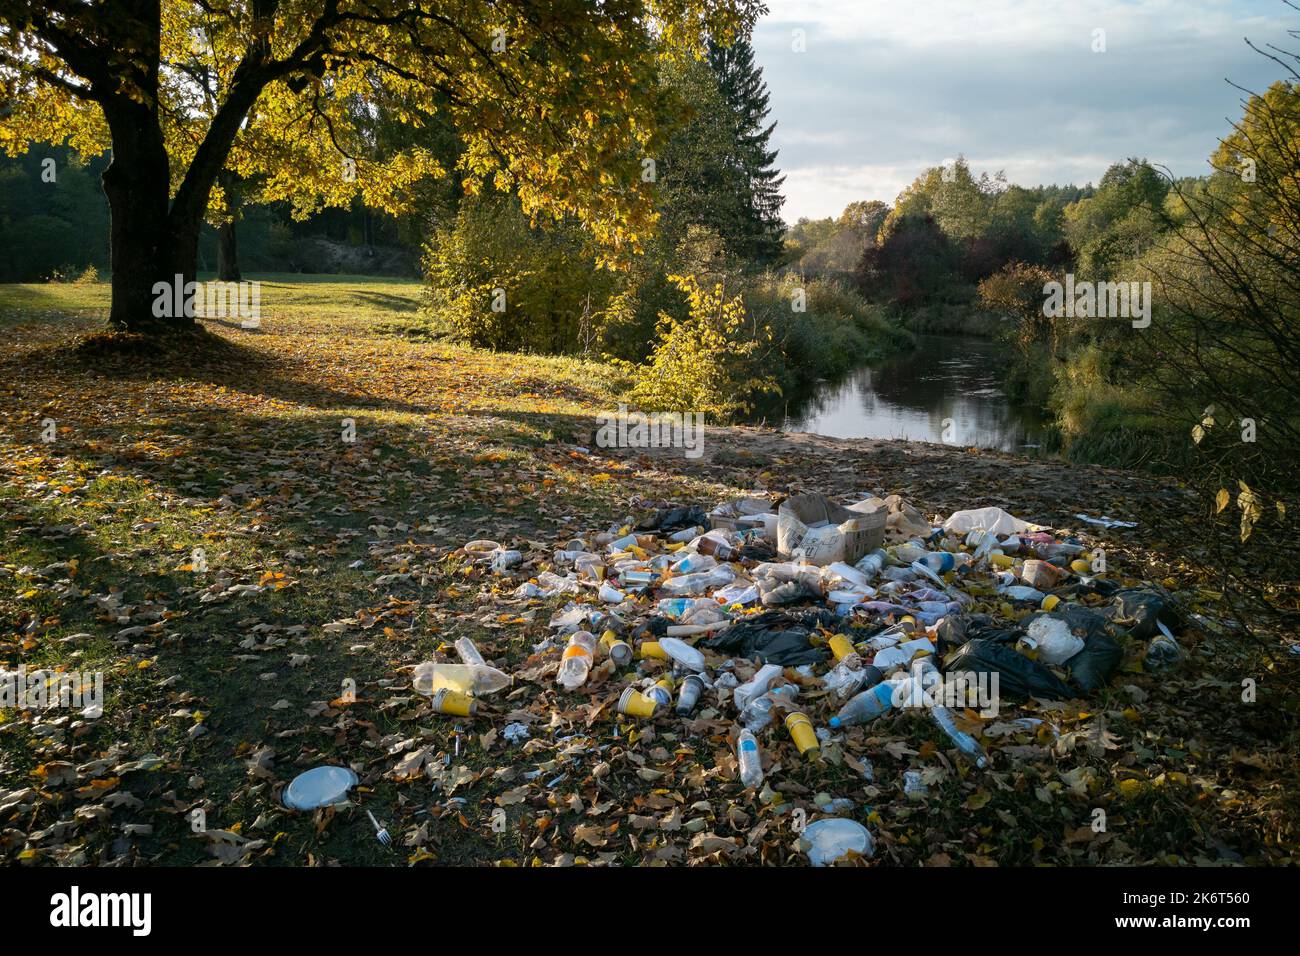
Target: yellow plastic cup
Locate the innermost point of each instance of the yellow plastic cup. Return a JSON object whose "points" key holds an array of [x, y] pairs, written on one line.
{"points": [[803, 735], [448, 701], [652, 649], [1080, 566], [633, 703], [841, 647], [1050, 602]]}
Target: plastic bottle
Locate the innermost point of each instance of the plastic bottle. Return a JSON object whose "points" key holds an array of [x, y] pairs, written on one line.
{"points": [[469, 652], [576, 663], [865, 707], [1059, 549], [676, 608], [759, 713], [478, 679], [717, 548], [701, 582], [846, 680], [693, 562], [873, 563], [751, 762], [941, 561], [964, 741]]}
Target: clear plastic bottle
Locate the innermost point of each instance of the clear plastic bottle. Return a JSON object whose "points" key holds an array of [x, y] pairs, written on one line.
{"points": [[750, 760], [760, 712], [477, 679], [576, 663], [873, 563], [964, 741], [865, 707], [846, 680], [469, 652], [700, 582]]}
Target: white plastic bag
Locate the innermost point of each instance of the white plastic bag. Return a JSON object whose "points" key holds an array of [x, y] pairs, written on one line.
{"points": [[990, 520], [1055, 641]]}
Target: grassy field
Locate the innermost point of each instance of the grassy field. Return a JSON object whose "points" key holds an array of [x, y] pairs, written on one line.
{"points": [[324, 564]]}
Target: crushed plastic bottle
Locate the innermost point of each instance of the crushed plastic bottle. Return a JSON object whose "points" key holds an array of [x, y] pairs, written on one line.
{"points": [[503, 560], [576, 663], [873, 563], [913, 784], [846, 680], [693, 562], [758, 714]]}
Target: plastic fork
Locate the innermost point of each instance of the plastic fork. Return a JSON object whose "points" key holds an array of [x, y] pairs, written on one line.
{"points": [[380, 833]]}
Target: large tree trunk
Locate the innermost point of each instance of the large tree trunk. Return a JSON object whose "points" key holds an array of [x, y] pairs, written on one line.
{"points": [[136, 184]]}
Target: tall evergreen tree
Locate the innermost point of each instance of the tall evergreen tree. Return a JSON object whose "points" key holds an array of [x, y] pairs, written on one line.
{"points": [[758, 237]]}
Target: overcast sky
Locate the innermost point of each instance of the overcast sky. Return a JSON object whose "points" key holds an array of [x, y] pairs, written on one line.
{"points": [[886, 88]]}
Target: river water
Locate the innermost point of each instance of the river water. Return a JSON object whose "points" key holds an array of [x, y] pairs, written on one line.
{"points": [[946, 390]]}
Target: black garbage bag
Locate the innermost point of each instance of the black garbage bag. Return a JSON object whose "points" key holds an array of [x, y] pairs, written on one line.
{"points": [[952, 632], [1093, 667], [651, 629], [1018, 676], [758, 550], [1136, 611], [675, 518], [775, 637], [982, 627]]}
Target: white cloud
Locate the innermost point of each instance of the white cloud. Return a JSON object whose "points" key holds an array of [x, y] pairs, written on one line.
{"points": [[889, 87]]}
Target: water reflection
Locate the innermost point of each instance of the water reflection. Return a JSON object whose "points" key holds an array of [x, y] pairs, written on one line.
{"points": [[946, 390]]}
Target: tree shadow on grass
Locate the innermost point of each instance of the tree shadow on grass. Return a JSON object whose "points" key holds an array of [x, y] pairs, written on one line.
{"points": [[200, 357]]}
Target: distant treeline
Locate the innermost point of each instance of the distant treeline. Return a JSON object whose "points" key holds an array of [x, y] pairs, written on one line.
{"points": [[54, 226]]}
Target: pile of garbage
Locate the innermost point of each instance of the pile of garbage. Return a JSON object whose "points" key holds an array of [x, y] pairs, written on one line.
{"points": [[805, 618]]}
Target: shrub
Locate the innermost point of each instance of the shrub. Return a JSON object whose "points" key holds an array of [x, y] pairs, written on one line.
{"points": [[498, 282], [709, 361]]}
